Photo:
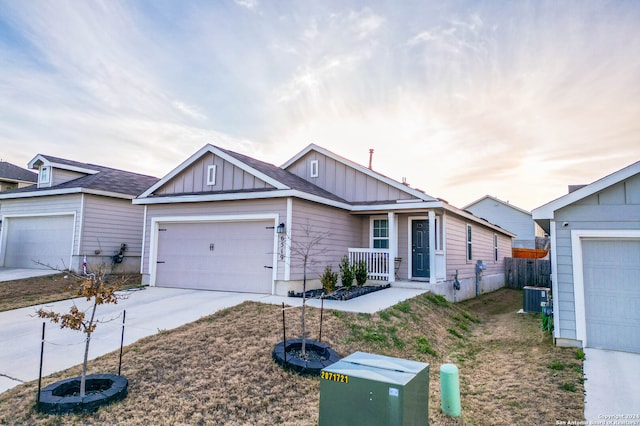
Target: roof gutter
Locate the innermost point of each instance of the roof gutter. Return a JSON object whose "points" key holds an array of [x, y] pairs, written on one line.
{"points": [[66, 191]]}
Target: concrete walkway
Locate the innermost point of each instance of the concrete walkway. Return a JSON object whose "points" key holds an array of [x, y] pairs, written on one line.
{"points": [[148, 312], [612, 387]]}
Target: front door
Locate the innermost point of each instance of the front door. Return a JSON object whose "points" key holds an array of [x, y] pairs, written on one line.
{"points": [[420, 249]]}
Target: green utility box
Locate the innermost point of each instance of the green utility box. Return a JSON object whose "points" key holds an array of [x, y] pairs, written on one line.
{"points": [[369, 389]]}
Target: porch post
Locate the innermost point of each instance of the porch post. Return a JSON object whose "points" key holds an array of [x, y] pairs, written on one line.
{"points": [[393, 246], [432, 247]]}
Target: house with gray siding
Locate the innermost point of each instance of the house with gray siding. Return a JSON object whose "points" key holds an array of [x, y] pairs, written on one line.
{"points": [[512, 218], [76, 211], [595, 258], [225, 221]]}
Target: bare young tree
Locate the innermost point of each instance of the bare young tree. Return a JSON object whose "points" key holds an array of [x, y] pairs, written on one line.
{"points": [[306, 251], [94, 288]]}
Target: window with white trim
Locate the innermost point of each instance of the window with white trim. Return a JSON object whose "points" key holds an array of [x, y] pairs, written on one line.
{"points": [[495, 247], [313, 168], [469, 243], [211, 175], [380, 233], [45, 174]]}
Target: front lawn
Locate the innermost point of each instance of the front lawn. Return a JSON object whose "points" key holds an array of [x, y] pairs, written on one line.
{"points": [[45, 289], [218, 370]]}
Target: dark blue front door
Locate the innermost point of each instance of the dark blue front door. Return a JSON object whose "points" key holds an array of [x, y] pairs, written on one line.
{"points": [[420, 249]]}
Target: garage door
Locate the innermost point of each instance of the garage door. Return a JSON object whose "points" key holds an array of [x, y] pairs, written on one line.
{"points": [[612, 294], [43, 239], [228, 256]]}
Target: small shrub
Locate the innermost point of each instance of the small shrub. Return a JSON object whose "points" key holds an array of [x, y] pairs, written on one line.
{"points": [[580, 355], [329, 279], [361, 273], [347, 274]]}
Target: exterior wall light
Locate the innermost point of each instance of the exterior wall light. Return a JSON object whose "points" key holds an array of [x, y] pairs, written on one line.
{"points": [[280, 229]]}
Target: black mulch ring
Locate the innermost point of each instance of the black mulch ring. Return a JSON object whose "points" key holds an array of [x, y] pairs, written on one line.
{"points": [[319, 356], [63, 397], [341, 293]]}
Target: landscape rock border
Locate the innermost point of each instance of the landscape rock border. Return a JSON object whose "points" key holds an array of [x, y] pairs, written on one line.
{"points": [[54, 399], [305, 367]]}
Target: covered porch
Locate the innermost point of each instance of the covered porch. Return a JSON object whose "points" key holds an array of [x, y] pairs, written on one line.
{"points": [[407, 246]]}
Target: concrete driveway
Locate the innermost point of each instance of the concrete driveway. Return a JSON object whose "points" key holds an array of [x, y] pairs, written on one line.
{"points": [[10, 274], [148, 311], [612, 387]]}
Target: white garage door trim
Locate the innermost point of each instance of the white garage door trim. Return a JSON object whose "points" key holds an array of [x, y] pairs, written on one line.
{"points": [[578, 272], [6, 221], [155, 226]]}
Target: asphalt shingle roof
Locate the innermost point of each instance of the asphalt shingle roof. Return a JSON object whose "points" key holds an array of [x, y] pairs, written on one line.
{"points": [[106, 179], [13, 172], [285, 177]]}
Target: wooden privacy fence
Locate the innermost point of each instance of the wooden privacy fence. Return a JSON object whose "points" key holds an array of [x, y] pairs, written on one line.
{"points": [[527, 272]]}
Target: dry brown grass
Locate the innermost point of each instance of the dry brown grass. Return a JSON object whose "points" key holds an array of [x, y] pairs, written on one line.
{"points": [[218, 370], [40, 290]]}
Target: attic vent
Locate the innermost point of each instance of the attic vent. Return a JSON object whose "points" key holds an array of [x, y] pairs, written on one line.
{"points": [[313, 168], [211, 175]]}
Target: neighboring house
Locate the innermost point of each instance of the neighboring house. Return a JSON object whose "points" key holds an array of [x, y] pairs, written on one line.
{"points": [[12, 177], [507, 216], [76, 210], [226, 221], [595, 257]]}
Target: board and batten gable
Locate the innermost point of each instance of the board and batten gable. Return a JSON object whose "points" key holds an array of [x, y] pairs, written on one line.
{"points": [[612, 209], [199, 176], [343, 180]]}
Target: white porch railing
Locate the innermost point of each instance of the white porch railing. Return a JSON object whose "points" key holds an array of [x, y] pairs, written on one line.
{"points": [[377, 261]]}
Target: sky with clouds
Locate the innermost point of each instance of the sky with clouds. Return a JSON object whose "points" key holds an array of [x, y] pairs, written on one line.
{"points": [[516, 99]]}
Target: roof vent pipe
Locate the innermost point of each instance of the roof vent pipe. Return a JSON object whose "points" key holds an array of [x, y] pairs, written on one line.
{"points": [[370, 158]]}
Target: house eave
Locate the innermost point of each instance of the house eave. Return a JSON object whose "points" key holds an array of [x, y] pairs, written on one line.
{"points": [[42, 159], [547, 211], [65, 191], [238, 196]]}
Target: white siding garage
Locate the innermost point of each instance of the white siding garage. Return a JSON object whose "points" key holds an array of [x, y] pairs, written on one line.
{"points": [[227, 256], [612, 293], [44, 239]]}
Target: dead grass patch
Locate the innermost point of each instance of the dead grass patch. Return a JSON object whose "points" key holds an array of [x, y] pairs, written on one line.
{"points": [[218, 370]]}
